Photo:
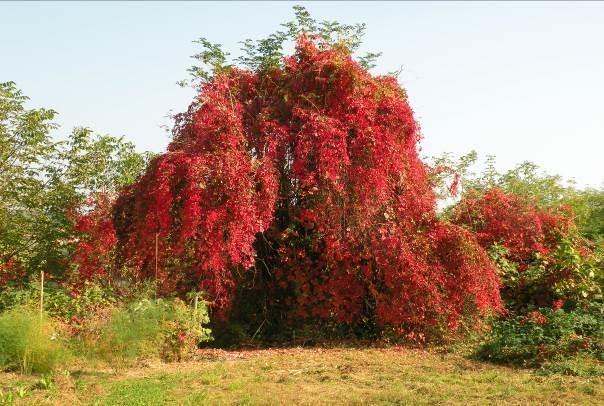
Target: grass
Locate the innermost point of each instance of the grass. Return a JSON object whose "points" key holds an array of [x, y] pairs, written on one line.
{"points": [[311, 376], [28, 341]]}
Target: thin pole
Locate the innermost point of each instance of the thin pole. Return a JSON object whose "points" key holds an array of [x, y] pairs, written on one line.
{"points": [[41, 293], [195, 308], [156, 260]]}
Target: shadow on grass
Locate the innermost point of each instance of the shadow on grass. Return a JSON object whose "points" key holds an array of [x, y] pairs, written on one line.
{"points": [[85, 373]]}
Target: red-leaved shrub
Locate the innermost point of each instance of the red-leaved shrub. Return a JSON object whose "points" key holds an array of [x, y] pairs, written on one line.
{"points": [[541, 257], [95, 246], [304, 181], [524, 229], [11, 270]]}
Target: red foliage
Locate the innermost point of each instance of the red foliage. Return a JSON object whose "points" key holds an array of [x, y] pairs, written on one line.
{"points": [[11, 270], [518, 225], [536, 317], [308, 175], [94, 249], [558, 304], [542, 240]]}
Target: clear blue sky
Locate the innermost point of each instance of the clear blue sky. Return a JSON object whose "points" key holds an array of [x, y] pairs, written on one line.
{"points": [[522, 81]]}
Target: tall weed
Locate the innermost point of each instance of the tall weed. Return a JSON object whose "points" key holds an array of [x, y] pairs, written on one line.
{"points": [[29, 342], [161, 328]]}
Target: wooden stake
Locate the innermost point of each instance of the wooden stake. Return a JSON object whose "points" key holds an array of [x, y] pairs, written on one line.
{"points": [[195, 308], [156, 260], [41, 293]]}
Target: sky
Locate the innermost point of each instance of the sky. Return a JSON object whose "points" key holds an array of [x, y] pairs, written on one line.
{"points": [[518, 80]]}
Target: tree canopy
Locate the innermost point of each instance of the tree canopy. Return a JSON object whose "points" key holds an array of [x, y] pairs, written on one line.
{"points": [[298, 178], [44, 182]]}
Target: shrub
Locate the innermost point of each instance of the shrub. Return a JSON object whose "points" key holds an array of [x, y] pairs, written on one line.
{"points": [[23, 294], [29, 342], [75, 308], [580, 365], [301, 180], [164, 328], [541, 258], [545, 336], [67, 306], [92, 257]]}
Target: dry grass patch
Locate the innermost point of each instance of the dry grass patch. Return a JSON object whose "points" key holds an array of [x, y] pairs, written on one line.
{"points": [[318, 376]]}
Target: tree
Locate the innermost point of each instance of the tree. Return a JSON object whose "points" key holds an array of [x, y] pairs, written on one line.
{"points": [[25, 149], [297, 178], [588, 208], [93, 169], [43, 184]]}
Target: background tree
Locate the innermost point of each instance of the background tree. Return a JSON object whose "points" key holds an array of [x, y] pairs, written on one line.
{"points": [[44, 182], [526, 180], [26, 148]]}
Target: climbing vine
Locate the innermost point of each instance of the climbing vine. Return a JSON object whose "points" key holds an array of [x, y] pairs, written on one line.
{"points": [[305, 177]]}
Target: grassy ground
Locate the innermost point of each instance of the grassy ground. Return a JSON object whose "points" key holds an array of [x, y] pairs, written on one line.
{"points": [[307, 376]]}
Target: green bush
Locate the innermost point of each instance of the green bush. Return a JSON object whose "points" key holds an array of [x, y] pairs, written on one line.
{"points": [[547, 337], [29, 342], [581, 365], [161, 328], [59, 301], [13, 295], [567, 274], [102, 325]]}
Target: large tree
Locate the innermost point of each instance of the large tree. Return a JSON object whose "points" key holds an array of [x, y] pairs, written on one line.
{"points": [[298, 178]]}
